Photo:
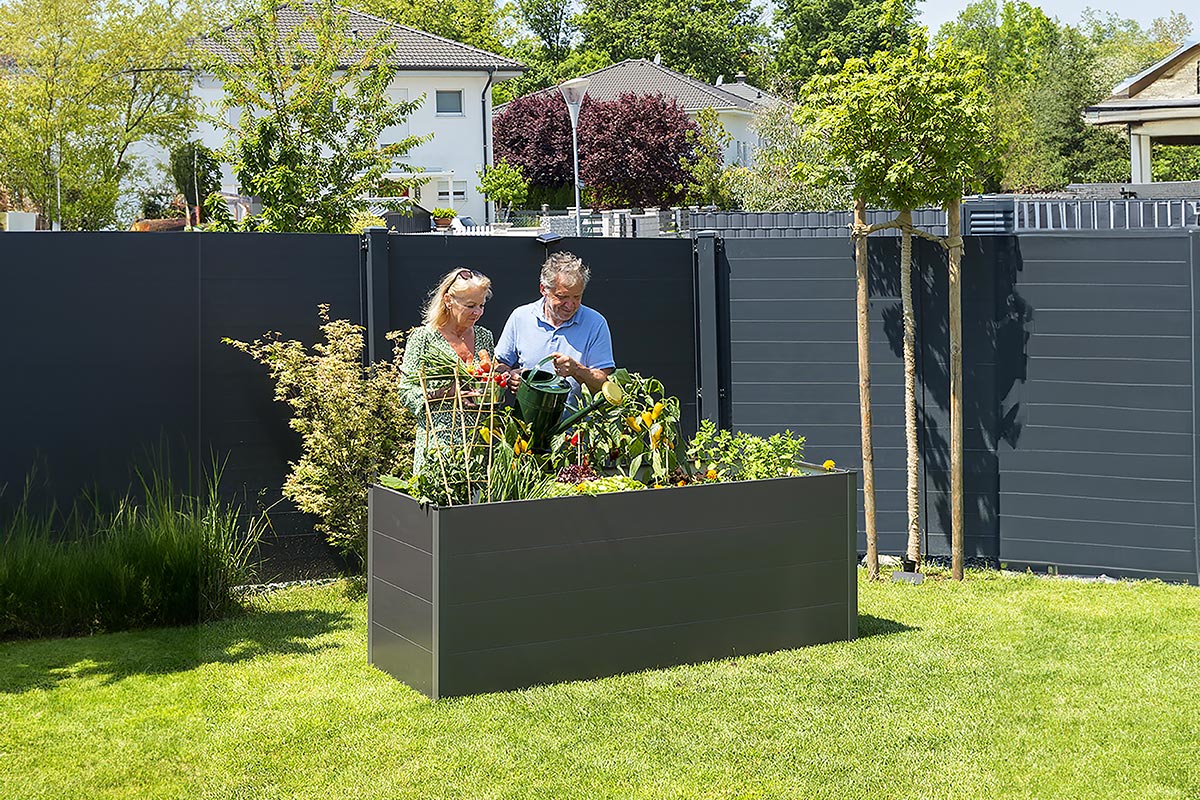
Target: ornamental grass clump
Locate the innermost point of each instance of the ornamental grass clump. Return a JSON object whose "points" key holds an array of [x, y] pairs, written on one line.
{"points": [[164, 557], [352, 422]]}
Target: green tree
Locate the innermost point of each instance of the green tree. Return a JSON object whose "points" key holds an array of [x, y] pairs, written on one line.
{"points": [[905, 128], [705, 169], [479, 23], [845, 28], [313, 105], [551, 23], [505, 186], [701, 38], [771, 182], [87, 82], [195, 171]]}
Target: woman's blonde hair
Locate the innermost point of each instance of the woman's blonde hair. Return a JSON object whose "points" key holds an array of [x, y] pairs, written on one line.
{"points": [[435, 312]]}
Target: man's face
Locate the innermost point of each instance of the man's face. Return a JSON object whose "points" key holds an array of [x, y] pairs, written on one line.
{"points": [[562, 301]]}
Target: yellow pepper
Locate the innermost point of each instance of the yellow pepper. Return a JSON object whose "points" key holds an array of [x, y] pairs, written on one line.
{"points": [[520, 446], [634, 422], [657, 410], [647, 418], [655, 435], [486, 435]]}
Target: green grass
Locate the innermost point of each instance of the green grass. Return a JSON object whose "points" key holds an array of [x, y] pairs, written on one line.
{"points": [[1013, 687]]}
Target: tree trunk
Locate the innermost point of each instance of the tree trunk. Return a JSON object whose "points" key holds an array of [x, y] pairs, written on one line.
{"points": [[913, 553], [954, 233], [864, 387]]}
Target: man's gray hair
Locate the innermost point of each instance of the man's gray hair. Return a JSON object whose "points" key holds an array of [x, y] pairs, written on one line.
{"points": [[565, 265]]}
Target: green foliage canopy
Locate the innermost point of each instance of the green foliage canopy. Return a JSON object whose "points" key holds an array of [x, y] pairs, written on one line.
{"points": [[86, 82], [905, 128], [312, 105]]}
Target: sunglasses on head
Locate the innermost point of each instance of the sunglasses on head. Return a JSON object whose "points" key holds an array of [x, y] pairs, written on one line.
{"points": [[468, 274]]}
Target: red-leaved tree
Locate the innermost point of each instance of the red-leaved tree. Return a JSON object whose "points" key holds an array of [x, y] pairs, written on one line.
{"points": [[629, 149], [534, 133], [632, 151]]}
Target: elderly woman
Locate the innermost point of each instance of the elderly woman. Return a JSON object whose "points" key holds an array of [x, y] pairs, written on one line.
{"points": [[449, 335]]}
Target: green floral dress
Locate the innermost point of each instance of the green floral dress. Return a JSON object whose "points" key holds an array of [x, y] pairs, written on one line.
{"points": [[440, 424]]}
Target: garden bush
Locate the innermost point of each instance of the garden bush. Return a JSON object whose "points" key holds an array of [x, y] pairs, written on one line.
{"points": [[352, 423], [165, 558]]}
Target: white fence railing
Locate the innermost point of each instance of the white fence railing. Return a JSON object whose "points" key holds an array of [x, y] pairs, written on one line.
{"points": [[1032, 215]]}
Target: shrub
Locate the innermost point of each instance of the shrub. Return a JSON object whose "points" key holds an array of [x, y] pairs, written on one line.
{"points": [[743, 456], [351, 420], [169, 558]]}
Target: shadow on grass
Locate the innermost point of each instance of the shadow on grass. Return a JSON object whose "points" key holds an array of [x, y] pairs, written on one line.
{"points": [[877, 626], [45, 663]]}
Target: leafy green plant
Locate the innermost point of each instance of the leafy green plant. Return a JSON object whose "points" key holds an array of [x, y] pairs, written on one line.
{"points": [[605, 485], [636, 438], [443, 213], [504, 185], [352, 422], [165, 557], [743, 456]]}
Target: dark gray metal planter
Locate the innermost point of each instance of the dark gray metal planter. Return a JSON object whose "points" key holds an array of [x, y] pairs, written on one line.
{"points": [[481, 598]]}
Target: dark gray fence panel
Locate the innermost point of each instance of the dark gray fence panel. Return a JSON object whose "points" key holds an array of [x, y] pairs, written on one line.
{"points": [[794, 364], [644, 287], [794, 359], [249, 285], [98, 352], [1098, 457]]}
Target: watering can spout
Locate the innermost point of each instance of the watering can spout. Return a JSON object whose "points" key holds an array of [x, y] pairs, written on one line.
{"points": [[610, 393]]}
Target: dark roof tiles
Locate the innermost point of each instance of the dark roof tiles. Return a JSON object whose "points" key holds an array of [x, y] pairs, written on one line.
{"points": [[413, 49]]}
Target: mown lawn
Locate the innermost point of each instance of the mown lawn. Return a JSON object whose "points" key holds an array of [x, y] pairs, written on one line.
{"points": [[999, 687]]}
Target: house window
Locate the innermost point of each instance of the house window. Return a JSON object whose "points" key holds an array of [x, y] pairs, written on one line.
{"points": [[449, 102], [460, 193]]}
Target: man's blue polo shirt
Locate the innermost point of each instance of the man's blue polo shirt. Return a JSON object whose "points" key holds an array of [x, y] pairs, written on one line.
{"points": [[528, 337]]}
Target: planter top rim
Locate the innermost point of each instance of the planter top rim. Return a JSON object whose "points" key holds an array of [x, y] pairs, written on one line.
{"points": [[821, 472]]}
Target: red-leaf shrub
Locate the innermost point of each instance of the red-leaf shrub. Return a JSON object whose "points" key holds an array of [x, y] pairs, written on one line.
{"points": [[534, 133], [630, 151]]}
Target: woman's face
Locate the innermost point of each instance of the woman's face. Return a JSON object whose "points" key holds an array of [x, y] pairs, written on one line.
{"points": [[465, 303]]}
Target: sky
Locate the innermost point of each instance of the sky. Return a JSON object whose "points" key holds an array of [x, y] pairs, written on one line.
{"points": [[935, 12]]}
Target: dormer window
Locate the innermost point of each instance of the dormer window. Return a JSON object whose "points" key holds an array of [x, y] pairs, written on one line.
{"points": [[449, 102]]}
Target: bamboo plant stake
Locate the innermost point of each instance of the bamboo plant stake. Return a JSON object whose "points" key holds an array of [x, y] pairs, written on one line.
{"points": [[863, 300], [955, 245]]}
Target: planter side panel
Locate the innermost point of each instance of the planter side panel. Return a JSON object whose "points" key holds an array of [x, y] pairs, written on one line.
{"points": [[583, 587], [401, 589]]}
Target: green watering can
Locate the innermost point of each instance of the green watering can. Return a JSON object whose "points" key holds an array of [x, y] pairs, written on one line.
{"points": [[542, 397]]}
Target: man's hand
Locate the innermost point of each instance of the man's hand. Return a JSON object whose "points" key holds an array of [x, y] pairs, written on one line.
{"points": [[568, 367]]}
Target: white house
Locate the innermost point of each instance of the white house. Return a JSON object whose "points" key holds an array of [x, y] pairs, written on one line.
{"points": [[736, 103], [455, 80]]}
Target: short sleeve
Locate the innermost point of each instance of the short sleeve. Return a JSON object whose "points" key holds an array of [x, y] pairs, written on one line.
{"points": [[410, 384], [506, 348], [599, 354]]}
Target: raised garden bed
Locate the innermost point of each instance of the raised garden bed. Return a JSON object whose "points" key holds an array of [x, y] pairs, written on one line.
{"points": [[498, 596]]}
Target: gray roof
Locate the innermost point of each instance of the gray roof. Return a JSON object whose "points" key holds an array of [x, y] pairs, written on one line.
{"points": [[749, 92], [640, 76], [413, 49]]}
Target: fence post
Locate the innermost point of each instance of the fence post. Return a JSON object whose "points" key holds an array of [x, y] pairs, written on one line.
{"points": [[709, 392], [376, 290]]}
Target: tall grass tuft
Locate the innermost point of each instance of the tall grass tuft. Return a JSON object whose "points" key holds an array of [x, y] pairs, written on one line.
{"points": [[166, 558]]}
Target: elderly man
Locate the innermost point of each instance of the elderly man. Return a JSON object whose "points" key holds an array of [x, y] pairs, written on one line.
{"points": [[559, 325]]}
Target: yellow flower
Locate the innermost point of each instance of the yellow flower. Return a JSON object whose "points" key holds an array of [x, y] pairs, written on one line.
{"points": [[682, 483], [829, 464], [711, 475]]}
